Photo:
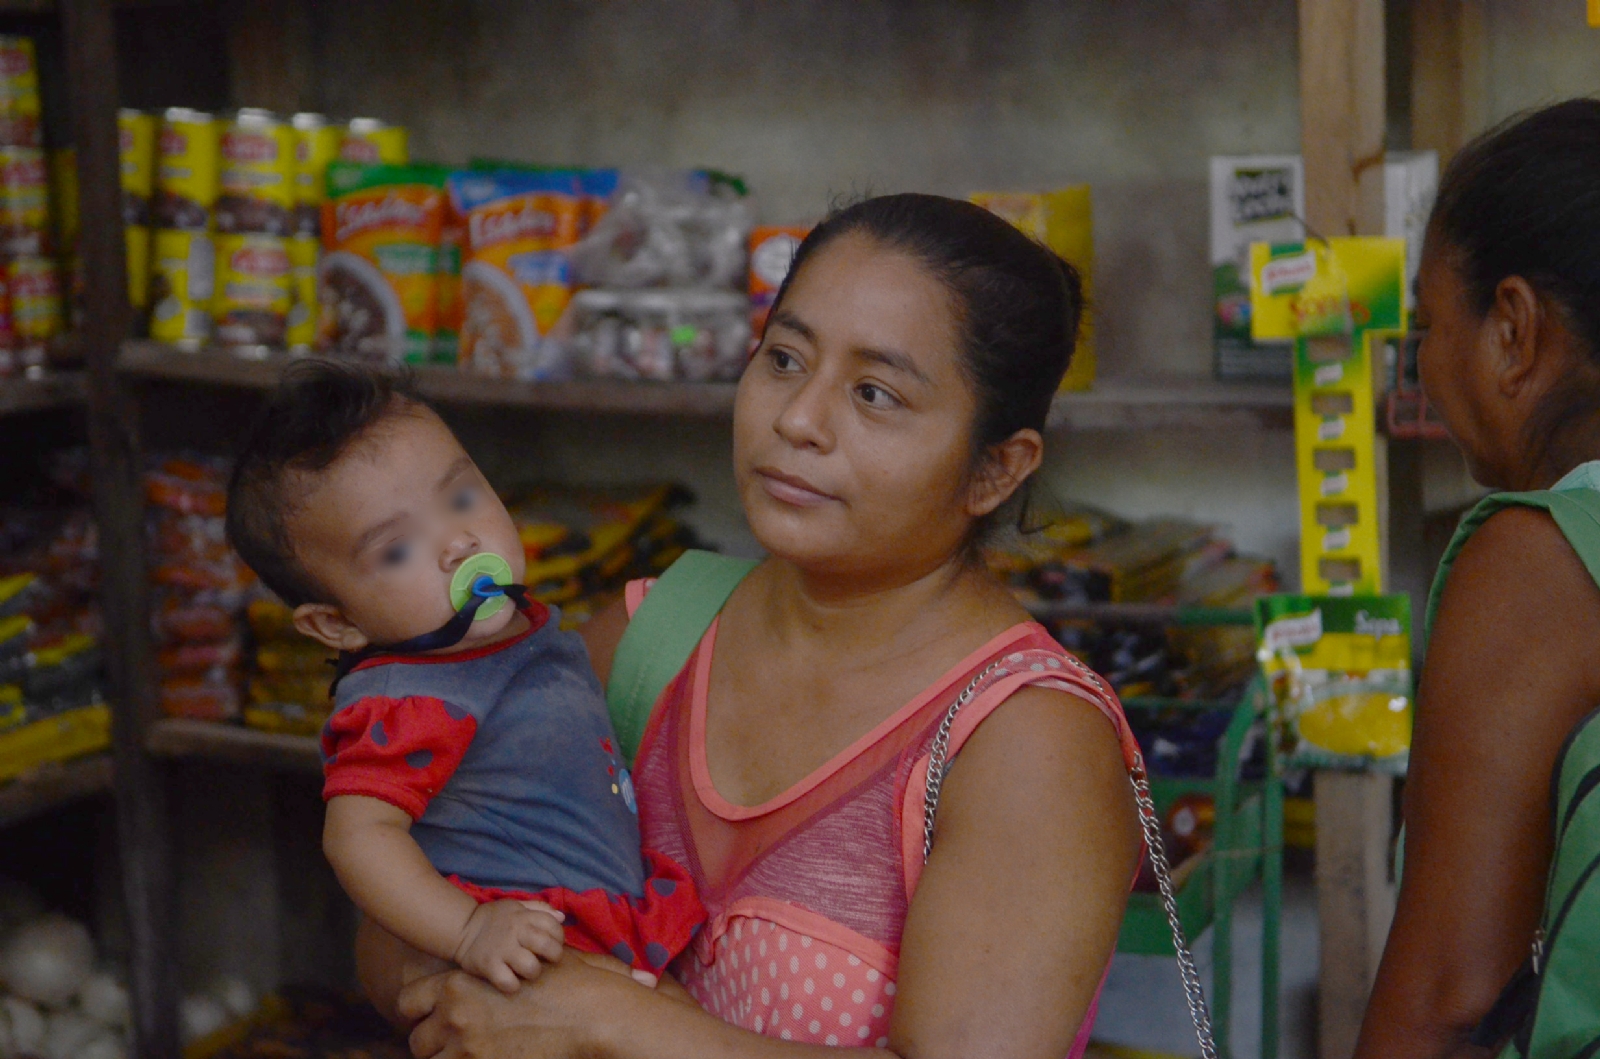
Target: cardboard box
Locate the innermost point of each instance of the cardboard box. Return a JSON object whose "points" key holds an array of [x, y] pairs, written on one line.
{"points": [[1254, 199], [1063, 220]]}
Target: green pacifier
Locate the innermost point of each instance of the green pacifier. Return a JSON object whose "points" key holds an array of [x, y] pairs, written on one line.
{"points": [[470, 574]]}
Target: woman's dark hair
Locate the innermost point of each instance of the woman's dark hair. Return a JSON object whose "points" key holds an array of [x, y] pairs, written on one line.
{"points": [[1018, 304], [1524, 200], [318, 410]]}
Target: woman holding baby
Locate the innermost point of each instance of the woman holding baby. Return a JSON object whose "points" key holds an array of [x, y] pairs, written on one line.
{"points": [[889, 420]]}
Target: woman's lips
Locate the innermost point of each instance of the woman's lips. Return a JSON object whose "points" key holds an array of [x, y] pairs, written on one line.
{"points": [[792, 490]]}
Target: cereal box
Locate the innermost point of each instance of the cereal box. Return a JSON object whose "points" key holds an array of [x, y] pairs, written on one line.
{"points": [[515, 279], [376, 284]]}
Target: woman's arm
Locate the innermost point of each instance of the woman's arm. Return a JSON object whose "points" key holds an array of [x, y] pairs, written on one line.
{"points": [[1014, 920], [1017, 912], [1511, 668]]}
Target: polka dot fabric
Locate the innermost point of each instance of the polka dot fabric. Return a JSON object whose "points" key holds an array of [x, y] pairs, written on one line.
{"points": [[779, 982]]}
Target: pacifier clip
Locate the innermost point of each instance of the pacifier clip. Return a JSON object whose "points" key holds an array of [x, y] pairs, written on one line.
{"points": [[479, 590]]}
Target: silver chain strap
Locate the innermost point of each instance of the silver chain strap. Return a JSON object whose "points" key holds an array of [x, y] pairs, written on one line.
{"points": [[1149, 822]]}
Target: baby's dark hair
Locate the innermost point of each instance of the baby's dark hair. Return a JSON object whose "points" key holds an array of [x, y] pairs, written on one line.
{"points": [[1017, 303], [317, 410]]}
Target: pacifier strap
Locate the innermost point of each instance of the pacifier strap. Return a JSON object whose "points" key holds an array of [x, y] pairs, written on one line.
{"points": [[449, 634]]}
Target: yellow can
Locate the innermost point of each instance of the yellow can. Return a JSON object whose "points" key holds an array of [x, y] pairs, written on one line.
{"points": [[64, 205], [254, 289], [316, 144], [188, 169], [183, 276], [19, 93], [35, 299], [304, 250], [136, 237], [257, 181], [136, 130], [24, 202], [373, 141]]}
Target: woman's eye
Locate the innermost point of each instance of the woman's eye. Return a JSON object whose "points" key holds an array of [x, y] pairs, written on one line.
{"points": [[395, 554], [464, 499], [783, 361], [876, 396]]}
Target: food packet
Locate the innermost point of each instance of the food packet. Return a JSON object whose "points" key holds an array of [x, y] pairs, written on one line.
{"points": [[377, 281], [1340, 670], [516, 278]]}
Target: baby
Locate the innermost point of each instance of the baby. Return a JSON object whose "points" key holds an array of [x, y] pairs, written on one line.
{"points": [[477, 805]]}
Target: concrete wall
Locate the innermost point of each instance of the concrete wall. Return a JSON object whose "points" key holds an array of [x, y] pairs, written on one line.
{"points": [[1538, 52], [815, 100]]}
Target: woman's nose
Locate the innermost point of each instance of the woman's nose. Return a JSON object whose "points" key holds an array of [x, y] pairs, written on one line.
{"points": [[806, 420]]}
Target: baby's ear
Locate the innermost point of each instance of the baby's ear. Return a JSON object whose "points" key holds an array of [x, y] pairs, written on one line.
{"points": [[326, 624]]}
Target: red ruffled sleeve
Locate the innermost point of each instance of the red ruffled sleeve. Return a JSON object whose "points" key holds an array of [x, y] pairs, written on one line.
{"points": [[401, 751]]}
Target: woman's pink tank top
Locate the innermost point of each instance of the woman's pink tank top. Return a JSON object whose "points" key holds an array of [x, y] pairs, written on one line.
{"points": [[807, 894]]}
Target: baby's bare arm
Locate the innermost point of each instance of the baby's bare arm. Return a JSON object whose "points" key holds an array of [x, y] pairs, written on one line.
{"points": [[384, 871]]}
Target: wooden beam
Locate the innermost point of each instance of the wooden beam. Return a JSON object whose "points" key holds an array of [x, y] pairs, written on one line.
{"points": [[1342, 126], [1342, 114], [141, 814], [1449, 102]]}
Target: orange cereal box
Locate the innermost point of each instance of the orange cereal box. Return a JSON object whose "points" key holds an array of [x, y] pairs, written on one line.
{"points": [[377, 282], [515, 282]]}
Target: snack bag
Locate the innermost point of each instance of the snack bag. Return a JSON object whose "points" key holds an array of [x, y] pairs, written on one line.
{"points": [[1340, 668], [515, 281], [377, 281]]}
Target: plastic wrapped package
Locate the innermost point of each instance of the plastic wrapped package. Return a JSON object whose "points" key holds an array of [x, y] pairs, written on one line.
{"points": [[200, 589], [668, 229], [693, 335]]}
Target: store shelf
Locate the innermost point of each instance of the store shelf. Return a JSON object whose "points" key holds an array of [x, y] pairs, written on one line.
{"points": [[215, 741], [155, 360], [58, 390], [1169, 404], [1175, 404], [48, 786]]}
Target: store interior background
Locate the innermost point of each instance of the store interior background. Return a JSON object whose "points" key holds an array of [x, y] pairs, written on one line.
{"points": [[809, 100]]}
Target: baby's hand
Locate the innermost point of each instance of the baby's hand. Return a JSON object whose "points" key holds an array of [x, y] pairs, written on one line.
{"points": [[504, 941]]}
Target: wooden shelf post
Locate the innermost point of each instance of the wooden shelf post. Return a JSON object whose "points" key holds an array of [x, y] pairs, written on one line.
{"points": [[141, 814], [1342, 124]]}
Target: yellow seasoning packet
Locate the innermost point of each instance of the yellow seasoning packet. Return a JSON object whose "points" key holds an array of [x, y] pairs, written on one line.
{"points": [[1340, 671]]}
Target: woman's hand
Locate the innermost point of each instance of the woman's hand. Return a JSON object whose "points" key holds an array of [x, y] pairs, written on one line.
{"points": [[564, 1015]]}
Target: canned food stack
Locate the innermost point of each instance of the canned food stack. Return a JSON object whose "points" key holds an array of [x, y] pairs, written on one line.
{"points": [[231, 219], [30, 301]]}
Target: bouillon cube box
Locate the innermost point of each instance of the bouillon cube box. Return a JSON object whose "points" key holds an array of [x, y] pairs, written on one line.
{"points": [[1254, 199]]}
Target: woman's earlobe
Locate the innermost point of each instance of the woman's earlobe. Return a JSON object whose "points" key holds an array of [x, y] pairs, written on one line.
{"points": [[326, 624], [1518, 317]]}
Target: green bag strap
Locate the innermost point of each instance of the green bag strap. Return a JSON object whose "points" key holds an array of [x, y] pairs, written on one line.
{"points": [[1576, 513], [663, 633], [1566, 1016]]}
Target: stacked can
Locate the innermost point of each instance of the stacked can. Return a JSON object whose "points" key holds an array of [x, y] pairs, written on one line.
{"points": [[137, 132], [32, 297], [317, 143], [253, 220], [373, 141], [183, 262]]}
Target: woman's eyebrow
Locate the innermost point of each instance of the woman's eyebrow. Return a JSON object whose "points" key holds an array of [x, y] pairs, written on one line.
{"points": [[786, 319], [892, 359]]}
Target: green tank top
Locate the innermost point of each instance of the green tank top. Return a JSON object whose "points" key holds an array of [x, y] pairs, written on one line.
{"points": [[1551, 1008]]}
